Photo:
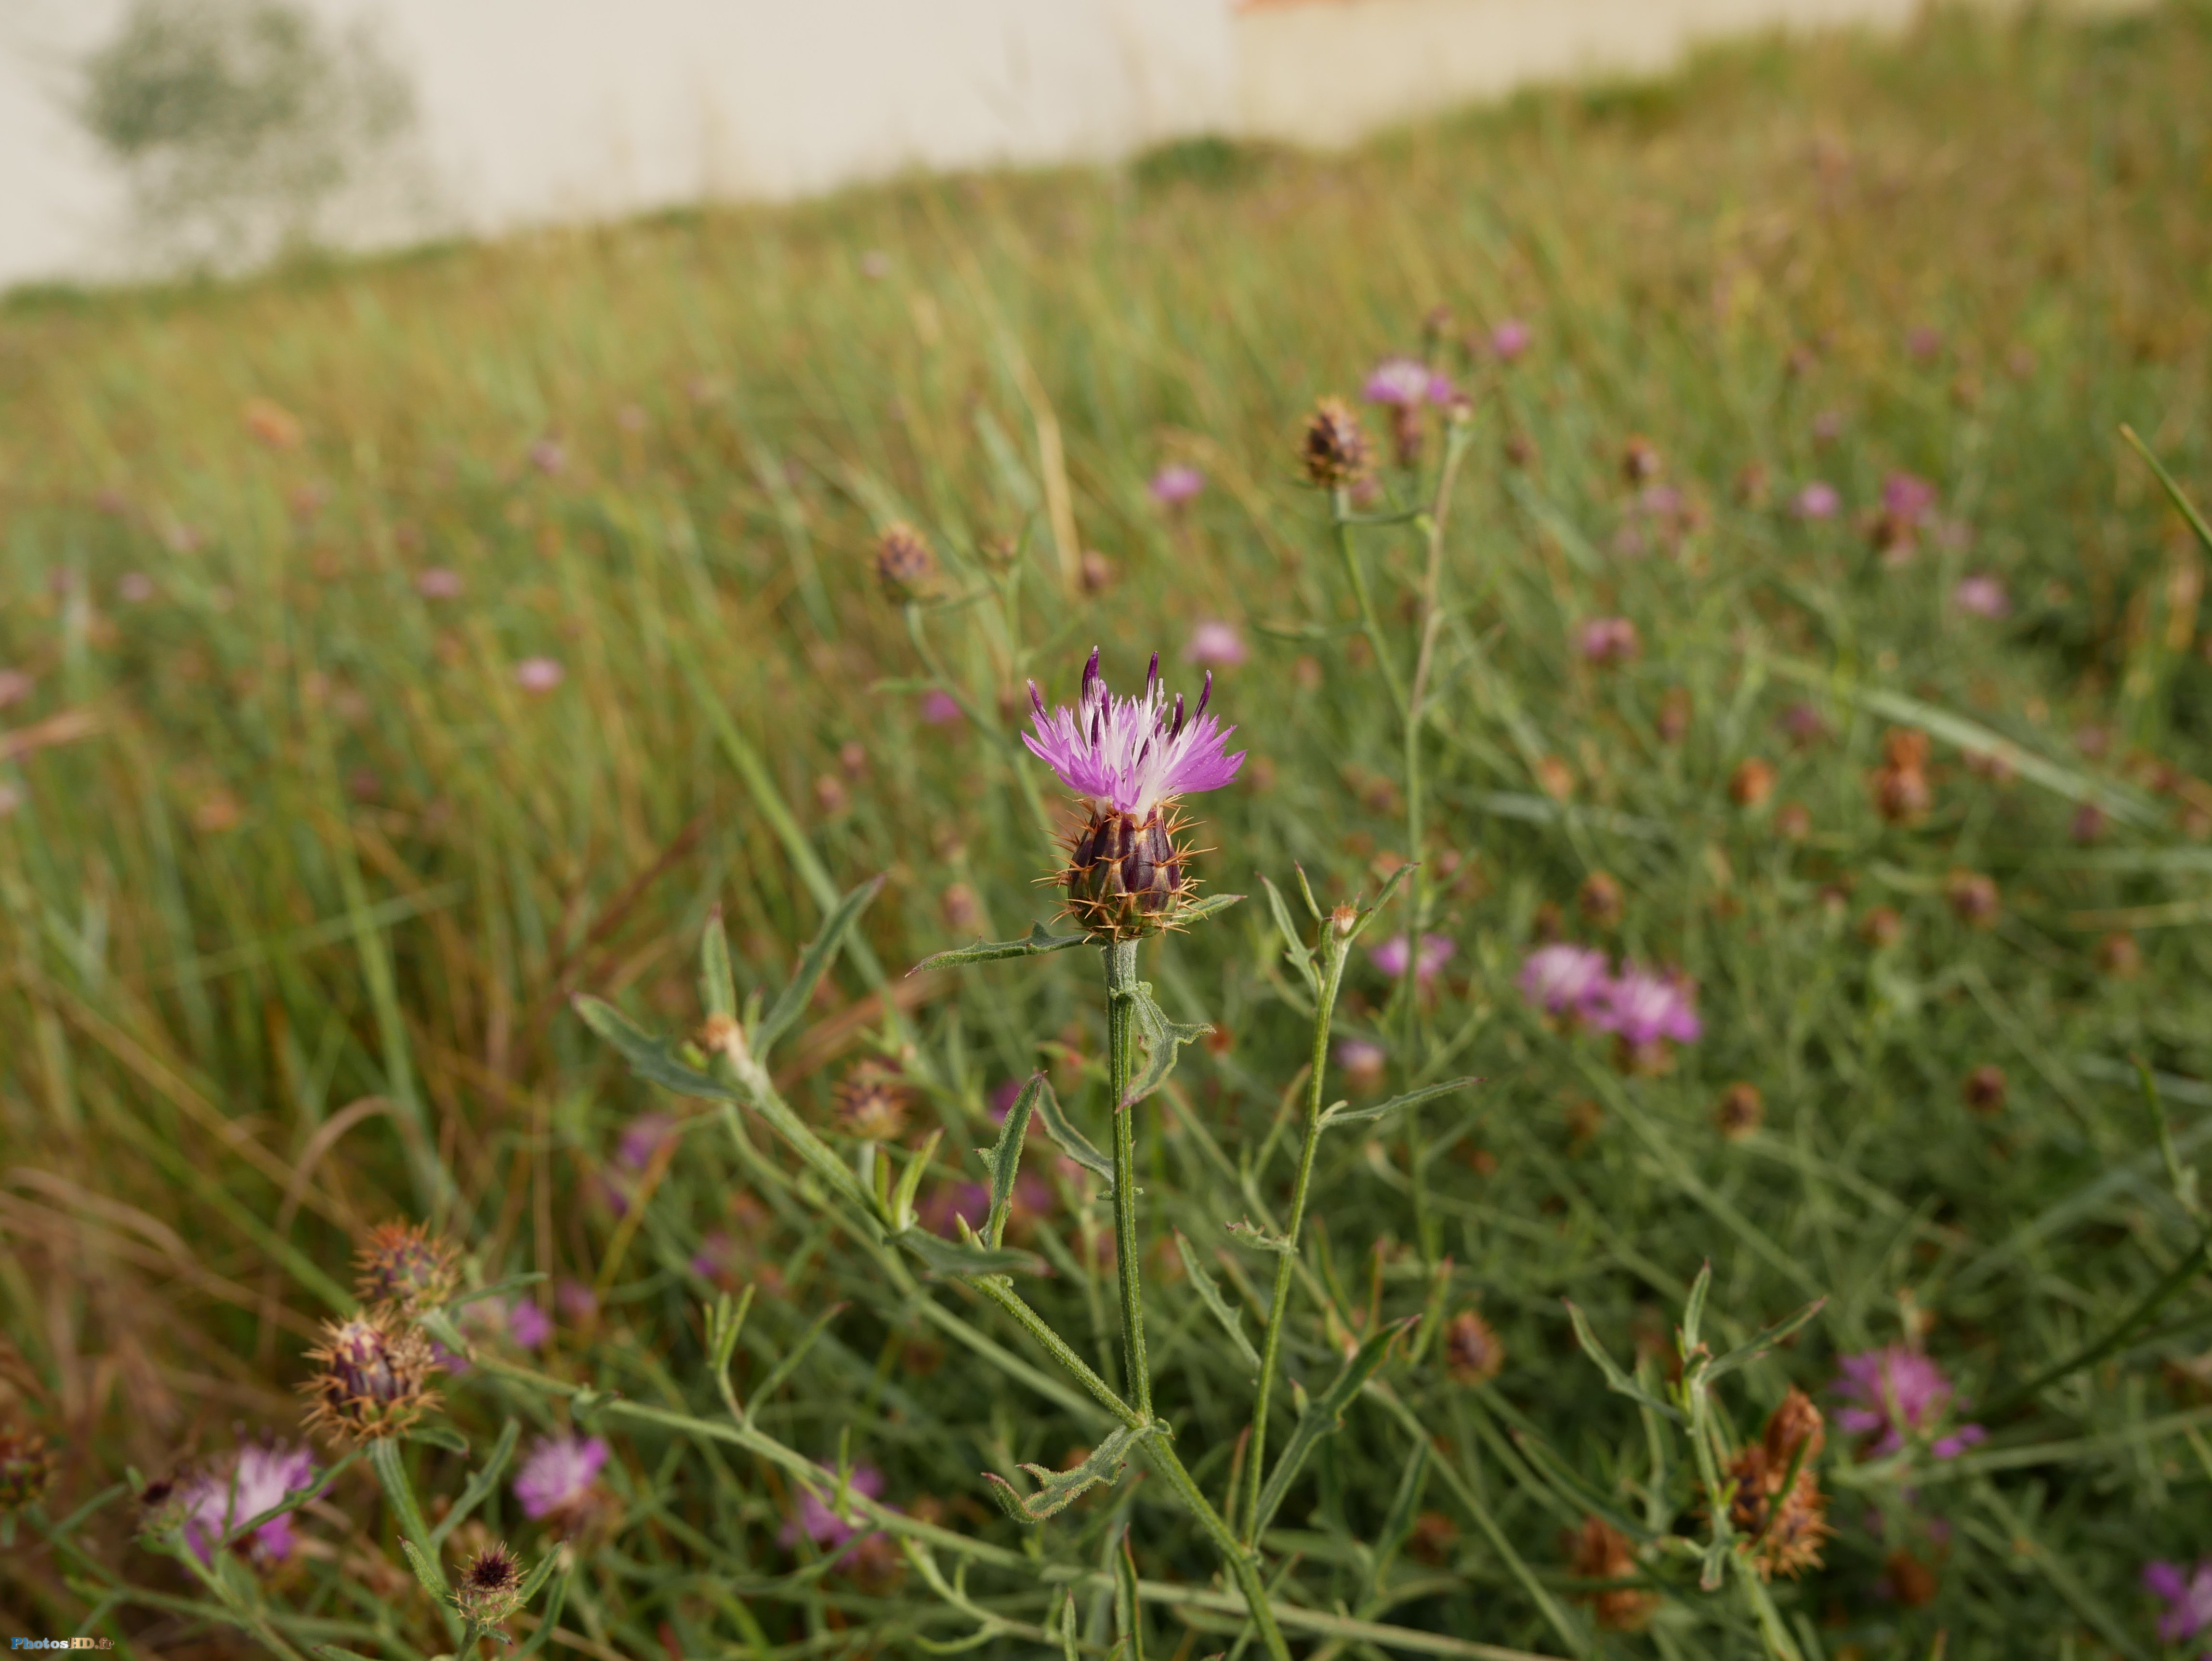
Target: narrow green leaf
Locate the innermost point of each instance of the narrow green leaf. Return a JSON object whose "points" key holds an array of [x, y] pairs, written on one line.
{"points": [[1072, 1142], [1004, 1159], [2174, 493], [480, 1485], [498, 1288], [1744, 1354], [1212, 906], [1248, 1232], [1040, 941], [1059, 1490], [1340, 1114], [438, 1436], [820, 953], [1163, 1041], [1209, 1294], [1128, 1609], [1369, 913], [1617, 1381], [718, 985], [424, 1571], [1693, 1310], [1324, 1417], [1299, 953], [789, 1363], [943, 1256], [910, 1182], [650, 1058]]}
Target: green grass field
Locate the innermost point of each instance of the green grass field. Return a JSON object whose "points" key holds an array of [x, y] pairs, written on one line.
{"points": [[395, 651]]}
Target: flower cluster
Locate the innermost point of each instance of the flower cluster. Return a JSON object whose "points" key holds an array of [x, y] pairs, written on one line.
{"points": [[213, 1504], [1775, 1502], [1642, 1006], [1896, 1393]]}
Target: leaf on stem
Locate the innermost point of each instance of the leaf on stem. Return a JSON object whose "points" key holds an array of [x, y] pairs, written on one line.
{"points": [[1745, 1354], [438, 1436], [1072, 1142], [1209, 1294], [1251, 1234], [943, 1256], [1163, 1041], [651, 1059], [1299, 953], [718, 985], [1004, 1157], [1342, 1114], [481, 1484], [1041, 940], [1693, 1310], [783, 1369], [1324, 1417], [1200, 910], [425, 1571], [792, 1002], [1617, 1381], [1059, 1490]]}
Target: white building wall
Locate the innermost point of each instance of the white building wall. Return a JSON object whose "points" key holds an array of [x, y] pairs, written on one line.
{"points": [[531, 111]]}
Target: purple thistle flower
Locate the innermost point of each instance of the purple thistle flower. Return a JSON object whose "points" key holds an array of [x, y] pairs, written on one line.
{"points": [[1609, 640], [1363, 1061], [1983, 595], [1172, 486], [1559, 977], [438, 582], [1819, 500], [1135, 754], [527, 1324], [559, 1474], [1510, 338], [1391, 957], [256, 1478], [824, 1526], [1402, 382], [577, 1301], [539, 675], [642, 1139], [939, 708], [1215, 644], [2188, 1595], [1643, 1006], [1895, 1389]]}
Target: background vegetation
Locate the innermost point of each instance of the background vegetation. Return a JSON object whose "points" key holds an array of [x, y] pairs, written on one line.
{"points": [[299, 872]]}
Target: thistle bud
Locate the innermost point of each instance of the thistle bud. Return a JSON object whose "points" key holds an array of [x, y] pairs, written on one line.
{"points": [[872, 1103], [1972, 898], [490, 1589], [1639, 460], [1124, 880], [1335, 453], [906, 566], [1984, 1091], [1472, 1355], [1775, 1502], [1601, 901], [371, 1379], [27, 1468], [1739, 1111], [404, 1264]]}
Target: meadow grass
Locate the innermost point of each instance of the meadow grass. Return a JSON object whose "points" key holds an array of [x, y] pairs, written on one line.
{"points": [[302, 866]]}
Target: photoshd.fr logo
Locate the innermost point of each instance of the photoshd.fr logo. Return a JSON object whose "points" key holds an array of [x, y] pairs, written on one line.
{"points": [[61, 1643]]}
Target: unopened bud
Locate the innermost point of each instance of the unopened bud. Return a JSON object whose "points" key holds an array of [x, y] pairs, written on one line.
{"points": [[491, 1588]]}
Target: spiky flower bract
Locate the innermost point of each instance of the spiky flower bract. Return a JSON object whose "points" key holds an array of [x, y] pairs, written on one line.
{"points": [[906, 565], [491, 1588], [1774, 1503], [1132, 759], [371, 1379], [1335, 451], [404, 1264]]}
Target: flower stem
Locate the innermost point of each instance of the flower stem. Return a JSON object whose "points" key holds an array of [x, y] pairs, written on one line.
{"points": [[1121, 1063], [1370, 625], [1332, 973]]}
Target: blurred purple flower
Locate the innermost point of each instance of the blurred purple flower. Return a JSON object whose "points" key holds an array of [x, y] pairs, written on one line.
{"points": [[2188, 1597], [539, 675], [527, 1324], [1004, 1098], [1363, 1061], [15, 686], [1818, 499], [1510, 338], [547, 457], [717, 1255], [1559, 977], [1906, 497], [1391, 957], [1983, 595], [134, 587], [939, 708], [1894, 1389], [1923, 343], [438, 583], [1609, 640], [824, 1527], [1643, 1006], [1217, 643], [1405, 383], [968, 1202], [642, 1138], [257, 1477], [1827, 426], [577, 1301], [875, 265], [559, 1474], [1174, 485]]}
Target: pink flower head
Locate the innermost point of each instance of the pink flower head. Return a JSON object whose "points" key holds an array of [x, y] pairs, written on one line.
{"points": [[134, 587], [1643, 1004], [438, 583], [1175, 485], [257, 1477], [1609, 640], [1895, 1389], [527, 1324], [15, 686], [642, 1139], [1391, 957], [2187, 1595], [1560, 978], [1134, 753], [1362, 1059], [1923, 343], [1907, 498], [577, 1301], [1405, 383], [1983, 595], [1819, 500], [559, 1474], [1215, 644], [815, 1519], [547, 457], [539, 675], [1510, 338], [940, 709], [967, 1202]]}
